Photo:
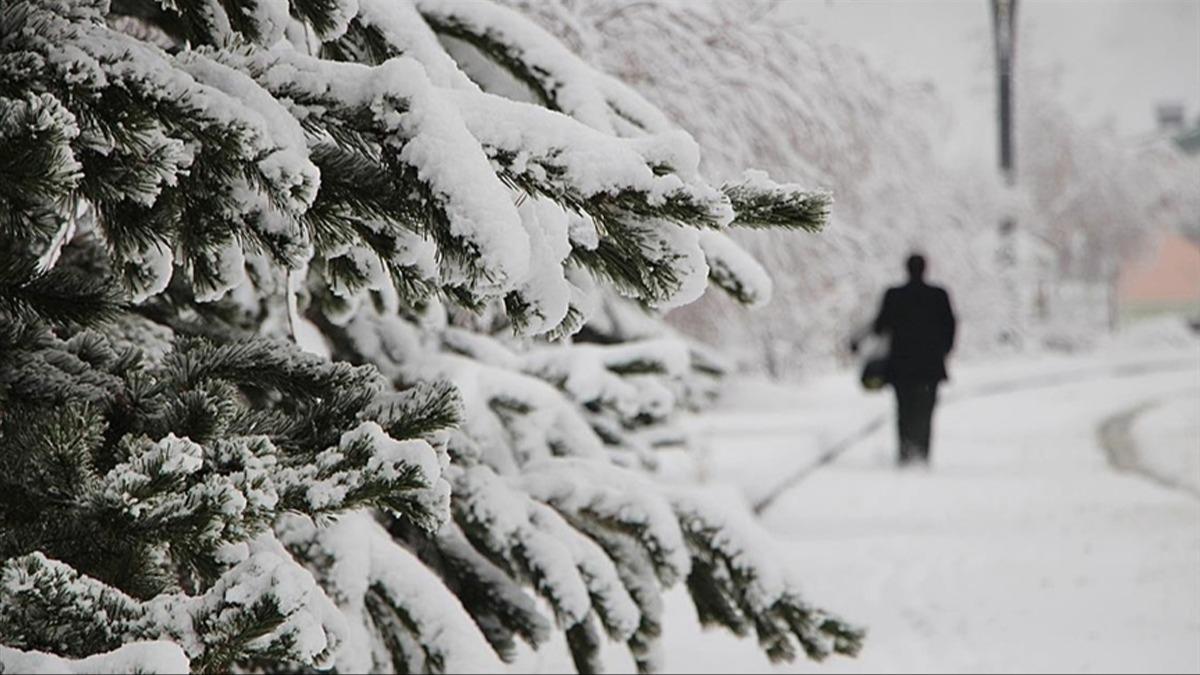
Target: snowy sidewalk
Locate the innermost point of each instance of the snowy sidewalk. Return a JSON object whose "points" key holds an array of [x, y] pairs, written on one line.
{"points": [[1023, 549]]}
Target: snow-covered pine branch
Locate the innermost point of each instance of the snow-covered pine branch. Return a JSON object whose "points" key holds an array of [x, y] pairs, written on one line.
{"points": [[181, 521], [205, 179], [265, 607], [553, 76]]}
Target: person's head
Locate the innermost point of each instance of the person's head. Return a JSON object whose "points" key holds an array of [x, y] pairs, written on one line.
{"points": [[916, 267]]}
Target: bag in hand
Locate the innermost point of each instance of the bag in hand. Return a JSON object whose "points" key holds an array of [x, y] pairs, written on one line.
{"points": [[874, 368], [874, 373]]}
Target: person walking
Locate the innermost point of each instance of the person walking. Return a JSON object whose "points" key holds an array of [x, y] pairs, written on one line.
{"points": [[919, 321]]}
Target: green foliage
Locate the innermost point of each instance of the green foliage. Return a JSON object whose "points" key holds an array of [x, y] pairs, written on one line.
{"points": [[60, 296], [93, 474], [47, 606], [727, 592], [777, 206], [37, 169], [186, 184]]}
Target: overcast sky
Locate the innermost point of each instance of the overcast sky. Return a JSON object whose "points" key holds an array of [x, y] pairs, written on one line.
{"points": [[1117, 59]]}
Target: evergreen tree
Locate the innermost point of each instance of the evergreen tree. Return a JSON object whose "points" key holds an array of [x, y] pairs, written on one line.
{"points": [[307, 359]]}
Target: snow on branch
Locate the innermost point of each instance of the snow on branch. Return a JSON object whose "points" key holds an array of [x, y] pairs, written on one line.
{"points": [[421, 139], [156, 656], [498, 602], [517, 418], [561, 79], [376, 581], [38, 165], [383, 29], [548, 153], [737, 582], [761, 202], [614, 498], [46, 605], [498, 521], [184, 129], [192, 495], [625, 380], [735, 271], [533, 542], [563, 82]]}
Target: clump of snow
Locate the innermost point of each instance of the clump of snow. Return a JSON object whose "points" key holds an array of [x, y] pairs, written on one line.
{"points": [[740, 540], [595, 99], [367, 264], [158, 656], [178, 455], [586, 294], [451, 162], [286, 164], [731, 266], [419, 254], [391, 454], [170, 458], [339, 15], [269, 571], [152, 269], [545, 289], [443, 627], [327, 483], [585, 160], [681, 245], [226, 268], [582, 231], [402, 27]]}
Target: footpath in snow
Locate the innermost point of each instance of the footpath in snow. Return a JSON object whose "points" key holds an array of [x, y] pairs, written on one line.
{"points": [[1023, 548]]}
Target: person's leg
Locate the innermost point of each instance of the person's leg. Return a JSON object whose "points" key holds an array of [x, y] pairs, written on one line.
{"points": [[927, 400], [904, 422]]}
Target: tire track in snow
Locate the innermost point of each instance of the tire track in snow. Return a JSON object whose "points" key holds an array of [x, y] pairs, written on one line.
{"points": [[1115, 436], [835, 450]]}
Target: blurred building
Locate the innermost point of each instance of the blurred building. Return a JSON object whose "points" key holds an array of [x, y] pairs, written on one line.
{"points": [[1167, 278]]}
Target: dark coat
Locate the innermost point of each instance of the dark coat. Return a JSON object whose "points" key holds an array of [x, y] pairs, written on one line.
{"points": [[920, 322]]}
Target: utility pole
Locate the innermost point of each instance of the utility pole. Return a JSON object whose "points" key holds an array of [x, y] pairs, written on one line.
{"points": [[1004, 34]]}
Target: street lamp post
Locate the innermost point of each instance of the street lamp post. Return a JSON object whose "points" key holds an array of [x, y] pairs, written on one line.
{"points": [[1004, 28]]}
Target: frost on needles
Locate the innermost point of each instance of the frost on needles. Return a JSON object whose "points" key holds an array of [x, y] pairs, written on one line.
{"points": [[318, 352]]}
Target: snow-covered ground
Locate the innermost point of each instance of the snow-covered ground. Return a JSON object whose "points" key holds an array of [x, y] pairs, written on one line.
{"points": [[1022, 549], [1167, 436]]}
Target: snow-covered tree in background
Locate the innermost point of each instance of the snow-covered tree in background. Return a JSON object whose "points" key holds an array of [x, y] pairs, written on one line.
{"points": [[189, 189], [1095, 199], [781, 96]]}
